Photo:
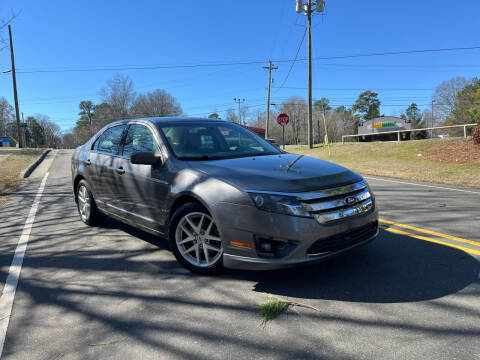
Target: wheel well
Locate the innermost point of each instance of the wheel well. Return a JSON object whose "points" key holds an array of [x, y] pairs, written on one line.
{"points": [[182, 200], [75, 183]]}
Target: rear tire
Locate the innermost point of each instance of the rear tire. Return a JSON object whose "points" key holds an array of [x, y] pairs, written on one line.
{"points": [[195, 241], [86, 206]]}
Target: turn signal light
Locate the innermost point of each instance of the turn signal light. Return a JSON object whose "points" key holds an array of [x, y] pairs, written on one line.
{"points": [[241, 244]]}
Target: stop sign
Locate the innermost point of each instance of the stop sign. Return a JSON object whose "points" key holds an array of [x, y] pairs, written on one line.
{"points": [[283, 119]]}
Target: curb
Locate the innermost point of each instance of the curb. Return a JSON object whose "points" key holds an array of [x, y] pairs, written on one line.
{"points": [[26, 173]]}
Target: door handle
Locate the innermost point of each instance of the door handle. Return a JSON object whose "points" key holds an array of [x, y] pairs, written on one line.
{"points": [[120, 170], [88, 162]]}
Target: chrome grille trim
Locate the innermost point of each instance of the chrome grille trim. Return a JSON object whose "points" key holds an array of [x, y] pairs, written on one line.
{"points": [[360, 208], [336, 203]]}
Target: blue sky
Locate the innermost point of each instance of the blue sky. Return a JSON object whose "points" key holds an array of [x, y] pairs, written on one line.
{"points": [[90, 34]]}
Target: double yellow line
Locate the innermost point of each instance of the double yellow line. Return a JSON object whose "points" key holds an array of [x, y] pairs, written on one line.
{"points": [[392, 226]]}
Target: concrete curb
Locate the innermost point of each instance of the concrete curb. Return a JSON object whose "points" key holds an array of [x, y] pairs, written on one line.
{"points": [[26, 173]]}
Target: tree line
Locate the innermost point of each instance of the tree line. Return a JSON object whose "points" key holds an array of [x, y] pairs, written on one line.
{"points": [[37, 130], [119, 100]]}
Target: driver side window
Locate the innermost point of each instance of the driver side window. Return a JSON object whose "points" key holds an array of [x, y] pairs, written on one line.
{"points": [[139, 138]]}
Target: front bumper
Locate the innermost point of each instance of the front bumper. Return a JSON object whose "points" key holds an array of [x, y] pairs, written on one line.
{"points": [[245, 224]]}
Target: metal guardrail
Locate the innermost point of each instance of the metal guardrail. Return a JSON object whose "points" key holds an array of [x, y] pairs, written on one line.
{"points": [[398, 132]]}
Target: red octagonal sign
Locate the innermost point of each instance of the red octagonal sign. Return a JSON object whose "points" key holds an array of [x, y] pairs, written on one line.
{"points": [[283, 119]]}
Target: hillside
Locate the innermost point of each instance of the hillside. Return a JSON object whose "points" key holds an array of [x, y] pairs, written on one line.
{"points": [[443, 161]]}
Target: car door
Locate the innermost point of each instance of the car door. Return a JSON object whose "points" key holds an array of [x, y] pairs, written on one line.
{"points": [[147, 186], [101, 170]]}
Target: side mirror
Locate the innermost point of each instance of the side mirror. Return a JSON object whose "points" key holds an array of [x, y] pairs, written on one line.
{"points": [[145, 158]]}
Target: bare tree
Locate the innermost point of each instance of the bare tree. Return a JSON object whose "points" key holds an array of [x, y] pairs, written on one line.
{"points": [[231, 115], [6, 116], [157, 103], [445, 97], [51, 131], [120, 95]]}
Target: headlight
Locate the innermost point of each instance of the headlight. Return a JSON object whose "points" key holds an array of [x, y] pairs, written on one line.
{"points": [[281, 204]]}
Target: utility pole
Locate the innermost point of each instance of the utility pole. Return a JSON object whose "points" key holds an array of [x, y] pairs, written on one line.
{"points": [[308, 9], [433, 120], [310, 110], [239, 101], [270, 67], [17, 110]]}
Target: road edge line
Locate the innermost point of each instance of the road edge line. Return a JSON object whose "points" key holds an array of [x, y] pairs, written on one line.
{"points": [[8, 294]]}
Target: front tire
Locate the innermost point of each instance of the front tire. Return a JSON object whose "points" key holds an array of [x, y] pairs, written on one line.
{"points": [[195, 240], [86, 206]]}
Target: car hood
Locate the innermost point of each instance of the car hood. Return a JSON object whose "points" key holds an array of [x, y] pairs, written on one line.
{"points": [[282, 173]]}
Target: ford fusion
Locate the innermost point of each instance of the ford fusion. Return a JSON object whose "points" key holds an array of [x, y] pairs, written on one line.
{"points": [[220, 194]]}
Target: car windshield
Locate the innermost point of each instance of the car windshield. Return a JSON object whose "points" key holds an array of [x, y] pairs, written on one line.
{"points": [[214, 141]]}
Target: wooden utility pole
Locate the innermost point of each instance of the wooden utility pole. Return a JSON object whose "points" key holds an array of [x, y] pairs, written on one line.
{"points": [[270, 67], [310, 121], [17, 110]]}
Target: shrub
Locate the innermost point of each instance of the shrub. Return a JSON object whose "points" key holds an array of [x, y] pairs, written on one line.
{"points": [[476, 134]]}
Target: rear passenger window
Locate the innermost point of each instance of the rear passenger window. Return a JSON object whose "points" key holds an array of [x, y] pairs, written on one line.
{"points": [[139, 138], [109, 141]]}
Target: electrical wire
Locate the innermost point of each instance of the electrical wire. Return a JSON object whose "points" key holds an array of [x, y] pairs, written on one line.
{"points": [[294, 60]]}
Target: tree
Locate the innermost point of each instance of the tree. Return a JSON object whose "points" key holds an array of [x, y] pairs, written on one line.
{"points": [[367, 105], [414, 115], [156, 103], [232, 116], [35, 136], [214, 116], [68, 140], [296, 108], [467, 104], [120, 95], [445, 97], [321, 106], [86, 112], [6, 116]]}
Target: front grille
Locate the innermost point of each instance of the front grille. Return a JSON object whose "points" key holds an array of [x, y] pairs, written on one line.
{"points": [[338, 203], [344, 240]]}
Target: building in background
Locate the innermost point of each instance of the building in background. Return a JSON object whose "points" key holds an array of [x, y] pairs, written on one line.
{"points": [[380, 125], [4, 141]]}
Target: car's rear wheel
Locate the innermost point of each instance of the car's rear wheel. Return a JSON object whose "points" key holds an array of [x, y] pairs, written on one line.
{"points": [[87, 208], [195, 239]]}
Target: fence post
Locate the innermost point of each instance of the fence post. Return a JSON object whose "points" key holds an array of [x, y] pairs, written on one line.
{"points": [[398, 136], [465, 131]]}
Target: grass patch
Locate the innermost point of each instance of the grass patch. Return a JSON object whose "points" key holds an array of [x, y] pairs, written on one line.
{"points": [[272, 309], [402, 160], [10, 169]]}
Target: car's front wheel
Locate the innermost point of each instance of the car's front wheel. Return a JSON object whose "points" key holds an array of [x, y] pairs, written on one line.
{"points": [[195, 239], [87, 208]]}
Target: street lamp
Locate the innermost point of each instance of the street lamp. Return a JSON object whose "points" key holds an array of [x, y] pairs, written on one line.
{"points": [[308, 7]]}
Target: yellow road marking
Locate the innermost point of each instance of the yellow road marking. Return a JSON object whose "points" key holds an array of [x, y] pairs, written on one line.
{"points": [[445, 236], [401, 232]]}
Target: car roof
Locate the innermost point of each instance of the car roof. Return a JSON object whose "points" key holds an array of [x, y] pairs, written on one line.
{"points": [[172, 119]]}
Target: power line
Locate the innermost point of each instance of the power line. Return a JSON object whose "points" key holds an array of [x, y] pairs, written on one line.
{"points": [[253, 62], [294, 60]]}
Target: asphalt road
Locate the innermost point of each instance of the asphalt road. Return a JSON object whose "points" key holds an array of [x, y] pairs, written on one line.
{"points": [[118, 293]]}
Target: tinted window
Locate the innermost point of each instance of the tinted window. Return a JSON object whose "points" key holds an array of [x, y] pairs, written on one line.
{"points": [[109, 142], [139, 138], [220, 140]]}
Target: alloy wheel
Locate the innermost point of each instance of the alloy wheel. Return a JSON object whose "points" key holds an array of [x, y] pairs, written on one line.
{"points": [[83, 202], [198, 240]]}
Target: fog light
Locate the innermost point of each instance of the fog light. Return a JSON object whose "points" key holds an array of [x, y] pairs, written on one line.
{"points": [[265, 246]]}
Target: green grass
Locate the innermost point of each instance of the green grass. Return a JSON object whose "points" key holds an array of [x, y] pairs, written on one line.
{"points": [[399, 160], [272, 309]]}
